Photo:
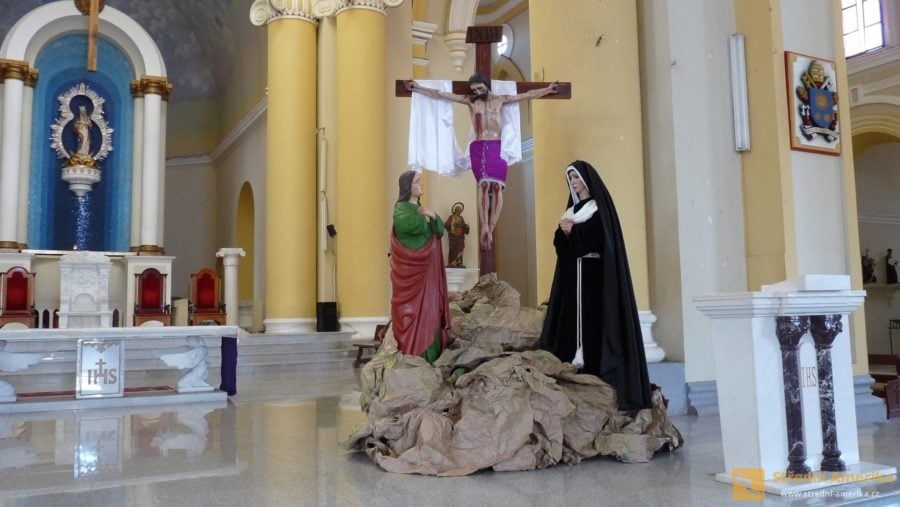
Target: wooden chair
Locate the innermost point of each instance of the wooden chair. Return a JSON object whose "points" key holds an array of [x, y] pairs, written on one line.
{"points": [[205, 304], [17, 297], [150, 302], [885, 369], [380, 331]]}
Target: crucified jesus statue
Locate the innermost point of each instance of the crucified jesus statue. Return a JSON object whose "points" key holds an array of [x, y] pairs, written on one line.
{"points": [[487, 166]]}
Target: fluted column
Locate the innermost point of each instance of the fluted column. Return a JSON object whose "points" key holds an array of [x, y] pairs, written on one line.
{"points": [[230, 258], [291, 164], [13, 74], [155, 90], [361, 223]]}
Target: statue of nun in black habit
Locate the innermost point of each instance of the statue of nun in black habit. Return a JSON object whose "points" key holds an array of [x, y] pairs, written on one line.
{"points": [[592, 319]]}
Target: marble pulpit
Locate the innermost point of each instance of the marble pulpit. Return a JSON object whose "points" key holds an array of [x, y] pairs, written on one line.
{"points": [[785, 385]]}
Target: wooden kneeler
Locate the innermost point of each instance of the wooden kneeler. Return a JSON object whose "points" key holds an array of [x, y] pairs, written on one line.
{"points": [[885, 369], [380, 331]]}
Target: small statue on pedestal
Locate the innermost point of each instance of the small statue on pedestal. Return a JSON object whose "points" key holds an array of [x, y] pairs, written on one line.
{"points": [[868, 268], [891, 267], [458, 228]]}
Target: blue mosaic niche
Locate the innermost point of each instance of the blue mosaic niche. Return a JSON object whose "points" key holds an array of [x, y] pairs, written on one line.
{"points": [[57, 220]]}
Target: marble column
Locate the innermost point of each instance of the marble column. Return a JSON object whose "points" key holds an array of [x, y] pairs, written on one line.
{"points": [[25, 158], [137, 163], [13, 74], [291, 164], [789, 331], [155, 91], [824, 328], [230, 258]]}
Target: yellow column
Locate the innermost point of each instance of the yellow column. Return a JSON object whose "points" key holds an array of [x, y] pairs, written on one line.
{"points": [[606, 111], [290, 169], [858, 322], [767, 180], [362, 227]]}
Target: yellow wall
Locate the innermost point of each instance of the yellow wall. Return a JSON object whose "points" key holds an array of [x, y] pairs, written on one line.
{"points": [[196, 127], [192, 128], [601, 124], [247, 83]]}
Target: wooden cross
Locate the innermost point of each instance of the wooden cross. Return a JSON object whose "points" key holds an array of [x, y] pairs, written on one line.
{"points": [[484, 37], [91, 8]]}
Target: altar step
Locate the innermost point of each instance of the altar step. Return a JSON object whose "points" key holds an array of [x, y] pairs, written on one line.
{"points": [[328, 354], [310, 351]]}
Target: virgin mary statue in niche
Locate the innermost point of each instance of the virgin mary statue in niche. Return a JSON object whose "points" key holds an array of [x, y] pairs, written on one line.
{"points": [[81, 169]]}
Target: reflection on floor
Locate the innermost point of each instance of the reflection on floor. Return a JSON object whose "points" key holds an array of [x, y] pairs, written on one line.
{"points": [[276, 443]]}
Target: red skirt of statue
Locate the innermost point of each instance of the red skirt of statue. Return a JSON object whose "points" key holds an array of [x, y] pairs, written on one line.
{"points": [[419, 306]]}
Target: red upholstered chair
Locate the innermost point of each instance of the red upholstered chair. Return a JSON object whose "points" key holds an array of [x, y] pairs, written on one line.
{"points": [[206, 305], [150, 302], [17, 297]]}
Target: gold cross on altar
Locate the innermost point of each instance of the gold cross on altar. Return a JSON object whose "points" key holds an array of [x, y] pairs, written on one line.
{"points": [[91, 8]]}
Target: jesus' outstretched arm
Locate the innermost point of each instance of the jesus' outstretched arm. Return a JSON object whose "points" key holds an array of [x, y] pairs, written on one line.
{"points": [[435, 94], [533, 94]]}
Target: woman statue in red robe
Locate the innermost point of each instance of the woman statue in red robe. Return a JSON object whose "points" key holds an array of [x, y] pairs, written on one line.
{"points": [[420, 314]]}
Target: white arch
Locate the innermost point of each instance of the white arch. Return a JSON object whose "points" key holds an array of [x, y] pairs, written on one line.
{"points": [[51, 21], [459, 17]]}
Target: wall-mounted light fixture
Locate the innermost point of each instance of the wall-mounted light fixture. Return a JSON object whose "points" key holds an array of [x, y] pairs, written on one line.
{"points": [[739, 105]]}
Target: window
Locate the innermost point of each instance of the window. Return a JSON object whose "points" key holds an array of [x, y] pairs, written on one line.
{"points": [[504, 47], [862, 26]]}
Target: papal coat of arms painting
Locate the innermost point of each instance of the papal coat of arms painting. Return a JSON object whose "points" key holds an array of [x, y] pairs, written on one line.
{"points": [[813, 104]]}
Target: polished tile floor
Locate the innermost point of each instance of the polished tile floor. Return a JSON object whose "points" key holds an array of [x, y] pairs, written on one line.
{"points": [[276, 443]]}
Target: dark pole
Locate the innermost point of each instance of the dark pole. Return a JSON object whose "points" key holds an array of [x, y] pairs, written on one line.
{"points": [[789, 331], [824, 329]]}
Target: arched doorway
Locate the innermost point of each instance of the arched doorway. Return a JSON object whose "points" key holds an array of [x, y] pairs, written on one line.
{"points": [[245, 236]]}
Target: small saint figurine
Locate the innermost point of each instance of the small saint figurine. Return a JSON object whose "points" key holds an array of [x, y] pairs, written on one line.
{"points": [[458, 229], [891, 266], [868, 268]]}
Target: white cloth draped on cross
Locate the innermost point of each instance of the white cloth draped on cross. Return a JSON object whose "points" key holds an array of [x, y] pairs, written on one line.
{"points": [[432, 138]]}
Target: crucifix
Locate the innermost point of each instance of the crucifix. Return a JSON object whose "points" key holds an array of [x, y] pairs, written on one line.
{"points": [[91, 8], [485, 116]]}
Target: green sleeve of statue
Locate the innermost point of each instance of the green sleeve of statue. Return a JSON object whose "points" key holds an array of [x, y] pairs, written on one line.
{"points": [[437, 226], [413, 229], [410, 227]]}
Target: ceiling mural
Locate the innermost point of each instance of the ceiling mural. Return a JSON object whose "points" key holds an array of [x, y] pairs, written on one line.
{"points": [[194, 37]]}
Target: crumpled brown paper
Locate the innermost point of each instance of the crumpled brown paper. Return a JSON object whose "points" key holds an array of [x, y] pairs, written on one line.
{"points": [[491, 401]]}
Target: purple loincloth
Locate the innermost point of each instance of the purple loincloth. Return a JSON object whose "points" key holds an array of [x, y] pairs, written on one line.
{"points": [[486, 162]]}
